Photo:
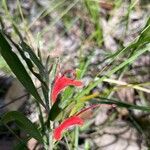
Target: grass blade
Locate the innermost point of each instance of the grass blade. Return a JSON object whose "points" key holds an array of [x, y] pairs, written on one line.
{"points": [[118, 103], [17, 67]]}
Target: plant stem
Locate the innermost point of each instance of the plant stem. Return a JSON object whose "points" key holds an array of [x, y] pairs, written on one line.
{"points": [[76, 138]]}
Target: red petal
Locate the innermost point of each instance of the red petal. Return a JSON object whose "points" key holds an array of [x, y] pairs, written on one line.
{"points": [[74, 120], [88, 108], [61, 83], [94, 106]]}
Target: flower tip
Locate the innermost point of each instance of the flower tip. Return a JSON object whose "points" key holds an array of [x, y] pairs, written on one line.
{"points": [[57, 134], [61, 82], [74, 120], [78, 83]]}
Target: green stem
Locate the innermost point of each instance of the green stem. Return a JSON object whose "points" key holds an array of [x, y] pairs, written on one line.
{"points": [[76, 138], [68, 146]]}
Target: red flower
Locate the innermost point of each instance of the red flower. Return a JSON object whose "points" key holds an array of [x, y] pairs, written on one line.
{"points": [[61, 81], [74, 120]]}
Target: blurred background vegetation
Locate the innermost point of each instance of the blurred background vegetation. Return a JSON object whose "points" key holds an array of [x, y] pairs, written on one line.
{"points": [[107, 41]]}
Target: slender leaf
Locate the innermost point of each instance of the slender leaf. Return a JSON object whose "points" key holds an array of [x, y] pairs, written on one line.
{"points": [[17, 67], [23, 122], [118, 103], [93, 8], [114, 70], [55, 111], [28, 61], [31, 66], [32, 55], [21, 145]]}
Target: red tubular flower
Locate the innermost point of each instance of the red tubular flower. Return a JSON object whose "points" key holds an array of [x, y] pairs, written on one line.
{"points": [[74, 120], [61, 81]]}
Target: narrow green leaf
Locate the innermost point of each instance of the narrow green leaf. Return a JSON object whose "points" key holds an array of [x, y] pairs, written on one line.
{"points": [[114, 70], [141, 40], [55, 111], [35, 60], [16, 30], [21, 145], [83, 67], [28, 61], [145, 35], [66, 95], [93, 8], [33, 57], [17, 67], [118, 103], [24, 123], [2, 23], [31, 66]]}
